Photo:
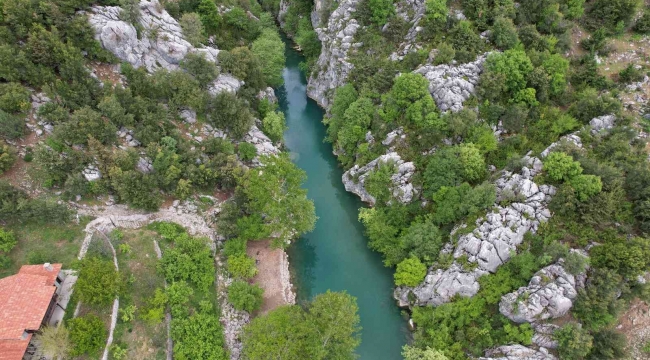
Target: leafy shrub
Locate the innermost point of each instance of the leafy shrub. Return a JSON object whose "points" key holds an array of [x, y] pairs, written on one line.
{"points": [[11, 127], [504, 34], [561, 167], [574, 343], [202, 70], [613, 15], [246, 151], [190, 259], [269, 49], [241, 266], [410, 272], [7, 240], [244, 296], [630, 74], [7, 157], [192, 28], [99, 283], [643, 24], [14, 98], [274, 125], [87, 335], [199, 336]]}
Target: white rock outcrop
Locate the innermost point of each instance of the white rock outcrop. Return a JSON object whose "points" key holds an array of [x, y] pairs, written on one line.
{"points": [[491, 243], [354, 179], [517, 352], [333, 66], [571, 139], [262, 143], [602, 123], [161, 44], [451, 85], [268, 94], [91, 173], [411, 11], [549, 295]]}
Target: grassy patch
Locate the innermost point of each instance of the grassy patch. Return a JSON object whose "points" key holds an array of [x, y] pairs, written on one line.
{"points": [[38, 244], [137, 260]]}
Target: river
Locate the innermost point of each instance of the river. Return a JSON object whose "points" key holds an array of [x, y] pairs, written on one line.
{"points": [[335, 256]]}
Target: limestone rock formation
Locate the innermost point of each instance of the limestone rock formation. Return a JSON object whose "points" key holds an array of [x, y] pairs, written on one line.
{"points": [[412, 11], [543, 336], [333, 67], [166, 50], [268, 94], [490, 244], [262, 143], [549, 295], [572, 139], [354, 179], [517, 352], [602, 123], [451, 85]]}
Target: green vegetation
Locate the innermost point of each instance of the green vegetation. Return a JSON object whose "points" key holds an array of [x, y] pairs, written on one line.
{"points": [[327, 329], [99, 282], [244, 296], [87, 335]]}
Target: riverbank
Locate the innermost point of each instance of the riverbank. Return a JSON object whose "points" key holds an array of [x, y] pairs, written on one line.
{"points": [[272, 275]]}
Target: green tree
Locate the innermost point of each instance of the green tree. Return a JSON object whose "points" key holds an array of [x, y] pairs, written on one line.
{"points": [[422, 239], [514, 65], [561, 167], [246, 151], [87, 335], [334, 315], [98, 283], [7, 158], [199, 336], [241, 266], [276, 192], [11, 127], [381, 11], [274, 125], [435, 16], [414, 353], [189, 260], [192, 26], [14, 98], [83, 123], [269, 49], [54, 341], [614, 15], [7, 240], [293, 337], [586, 186], [227, 111], [410, 272], [244, 296], [210, 17], [574, 343], [343, 98], [130, 11], [202, 70], [608, 344], [504, 33]]}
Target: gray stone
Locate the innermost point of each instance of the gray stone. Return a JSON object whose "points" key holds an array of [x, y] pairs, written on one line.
{"points": [[549, 295], [451, 85], [144, 165], [268, 94], [354, 179], [602, 123], [517, 352], [91, 173], [262, 143], [188, 116]]}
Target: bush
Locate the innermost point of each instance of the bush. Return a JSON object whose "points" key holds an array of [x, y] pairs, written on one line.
{"points": [[504, 34], [269, 49], [241, 266], [87, 335], [630, 74], [192, 28], [247, 151], [561, 167], [203, 71], [14, 98], [7, 158], [574, 343], [410, 272], [274, 125], [643, 24], [7, 240], [99, 283], [190, 259], [11, 127], [244, 296], [613, 15]]}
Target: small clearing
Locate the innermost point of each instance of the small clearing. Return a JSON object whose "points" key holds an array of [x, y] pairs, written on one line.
{"points": [[271, 265]]}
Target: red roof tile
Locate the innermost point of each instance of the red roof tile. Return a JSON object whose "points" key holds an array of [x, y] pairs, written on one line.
{"points": [[25, 298]]}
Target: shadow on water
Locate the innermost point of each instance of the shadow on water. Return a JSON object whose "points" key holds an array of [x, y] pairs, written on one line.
{"points": [[335, 255]]}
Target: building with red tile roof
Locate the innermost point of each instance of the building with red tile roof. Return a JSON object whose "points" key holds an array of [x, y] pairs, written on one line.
{"points": [[28, 299]]}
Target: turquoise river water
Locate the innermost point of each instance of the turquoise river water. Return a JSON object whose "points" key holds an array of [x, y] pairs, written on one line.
{"points": [[335, 256]]}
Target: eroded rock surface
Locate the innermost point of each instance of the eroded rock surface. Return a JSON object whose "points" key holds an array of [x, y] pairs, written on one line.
{"points": [[451, 85], [549, 295], [602, 123], [333, 67], [517, 352], [262, 143], [355, 178], [166, 50], [492, 241]]}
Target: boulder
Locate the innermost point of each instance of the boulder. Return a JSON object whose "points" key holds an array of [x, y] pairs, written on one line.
{"points": [[188, 116], [268, 94], [517, 352], [549, 295], [144, 165], [225, 82], [451, 85], [543, 336], [354, 179], [602, 123], [91, 173]]}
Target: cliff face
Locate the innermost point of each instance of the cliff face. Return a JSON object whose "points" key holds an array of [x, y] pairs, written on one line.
{"points": [[337, 38]]}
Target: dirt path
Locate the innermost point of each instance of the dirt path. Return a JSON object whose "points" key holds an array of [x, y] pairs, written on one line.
{"points": [[272, 276], [635, 324]]}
